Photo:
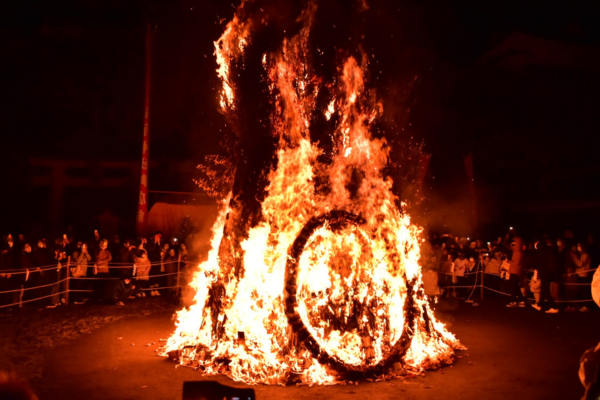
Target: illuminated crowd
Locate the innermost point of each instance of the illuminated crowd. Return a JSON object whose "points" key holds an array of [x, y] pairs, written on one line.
{"points": [[47, 274], [550, 274]]}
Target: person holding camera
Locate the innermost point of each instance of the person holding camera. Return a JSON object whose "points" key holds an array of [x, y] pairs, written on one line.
{"points": [[101, 269]]}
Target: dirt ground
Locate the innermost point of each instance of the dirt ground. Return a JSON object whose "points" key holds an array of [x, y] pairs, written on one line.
{"points": [[512, 353], [28, 334]]}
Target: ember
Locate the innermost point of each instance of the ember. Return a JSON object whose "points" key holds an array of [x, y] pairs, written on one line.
{"points": [[325, 288]]}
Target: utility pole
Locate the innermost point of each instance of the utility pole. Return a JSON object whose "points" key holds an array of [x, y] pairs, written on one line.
{"points": [[142, 213]]}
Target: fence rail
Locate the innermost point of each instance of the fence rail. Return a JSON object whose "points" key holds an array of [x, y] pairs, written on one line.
{"points": [[479, 271], [63, 286]]}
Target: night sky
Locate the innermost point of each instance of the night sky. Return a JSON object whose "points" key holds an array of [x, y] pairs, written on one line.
{"points": [[517, 85]]}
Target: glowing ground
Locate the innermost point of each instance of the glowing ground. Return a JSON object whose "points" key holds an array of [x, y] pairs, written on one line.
{"points": [[513, 353]]}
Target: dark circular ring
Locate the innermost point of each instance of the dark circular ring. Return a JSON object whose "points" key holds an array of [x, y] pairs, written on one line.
{"points": [[338, 220]]}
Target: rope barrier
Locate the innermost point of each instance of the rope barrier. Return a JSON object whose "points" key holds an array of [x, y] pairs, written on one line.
{"points": [[454, 274], [162, 287], [30, 300], [86, 278], [494, 290], [80, 278], [17, 271], [529, 298], [479, 269], [155, 288], [458, 287], [481, 285], [156, 276], [24, 271], [580, 272], [34, 287]]}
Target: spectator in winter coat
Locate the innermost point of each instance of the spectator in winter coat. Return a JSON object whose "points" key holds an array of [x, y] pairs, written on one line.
{"points": [[101, 268], [430, 283], [9, 280], [126, 258], [493, 265], [582, 268], [516, 272], [103, 257], [570, 278], [81, 259], [142, 273], [32, 275], [582, 262], [545, 263], [459, 268], [155, 247], [171, 261], [593, 250], [43, 258], [53, 276]]}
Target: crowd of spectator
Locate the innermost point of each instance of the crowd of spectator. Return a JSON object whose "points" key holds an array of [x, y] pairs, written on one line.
{"points": [[551, 271], [36, 271], [544, 272]]}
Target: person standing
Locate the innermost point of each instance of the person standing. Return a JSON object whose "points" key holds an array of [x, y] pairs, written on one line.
{"points": [[570, 279], [161, 281], [155, 255], [101, 268], [516, 273], [142, 272], [171, 261], [593, 250], [60, 261], [459, 269], [32, 274], [546, 263], [126, 258], [9, 280], [103, 257], [155, 247], [43, 258], [80, 259], [582, 268]]}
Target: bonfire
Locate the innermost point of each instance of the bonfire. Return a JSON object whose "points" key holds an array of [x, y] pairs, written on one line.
{"points": [[313, 278]]}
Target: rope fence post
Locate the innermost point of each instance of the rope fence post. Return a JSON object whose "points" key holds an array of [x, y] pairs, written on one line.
{"points": [[481, 288], [67, 285], [178, 289], [21, 294]]}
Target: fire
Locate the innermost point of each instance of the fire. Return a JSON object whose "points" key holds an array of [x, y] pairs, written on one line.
{"points": [[331, 287]]}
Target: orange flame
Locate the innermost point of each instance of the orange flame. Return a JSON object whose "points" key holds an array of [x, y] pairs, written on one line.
{"points": [[343, 296]]}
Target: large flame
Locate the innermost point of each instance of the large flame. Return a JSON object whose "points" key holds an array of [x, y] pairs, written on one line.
{"points": [[331, 288]]}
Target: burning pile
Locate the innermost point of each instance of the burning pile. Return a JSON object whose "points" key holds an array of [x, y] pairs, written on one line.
{"points": [[323, 286]]}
